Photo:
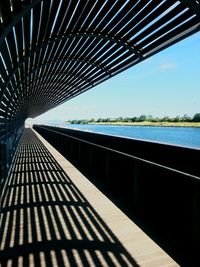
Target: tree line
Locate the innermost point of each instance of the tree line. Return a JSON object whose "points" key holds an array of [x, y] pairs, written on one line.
{"points": [[141, 118]]}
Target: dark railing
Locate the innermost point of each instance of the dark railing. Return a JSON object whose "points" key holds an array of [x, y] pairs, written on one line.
{"points": [[161, 199], [10, 134]]}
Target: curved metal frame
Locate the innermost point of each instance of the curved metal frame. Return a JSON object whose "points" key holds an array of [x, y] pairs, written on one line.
{"points": [[92, 33], [19, 64]]}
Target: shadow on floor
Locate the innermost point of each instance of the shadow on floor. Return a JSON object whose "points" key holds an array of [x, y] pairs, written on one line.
{"points": [[46, 221]]}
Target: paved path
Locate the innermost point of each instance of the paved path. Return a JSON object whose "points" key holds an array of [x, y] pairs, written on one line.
{"points": [[53, 216]]}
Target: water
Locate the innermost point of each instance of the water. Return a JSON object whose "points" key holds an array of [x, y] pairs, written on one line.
{"points": [[182, 136]]}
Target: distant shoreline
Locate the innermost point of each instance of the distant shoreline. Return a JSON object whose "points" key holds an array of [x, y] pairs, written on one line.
{"points": [[147, 123]]}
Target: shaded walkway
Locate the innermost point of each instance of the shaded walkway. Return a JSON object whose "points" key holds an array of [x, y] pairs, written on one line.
{"points": [[46, 221]]}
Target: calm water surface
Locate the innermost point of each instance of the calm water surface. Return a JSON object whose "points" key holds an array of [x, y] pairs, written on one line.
{"points": [[183, 136]]}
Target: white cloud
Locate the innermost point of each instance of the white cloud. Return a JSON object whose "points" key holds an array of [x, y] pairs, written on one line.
{"points": [[167, 66], [167, 63]]}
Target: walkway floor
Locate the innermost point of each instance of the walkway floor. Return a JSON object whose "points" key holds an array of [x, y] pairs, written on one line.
{"points": [[53, 216]]}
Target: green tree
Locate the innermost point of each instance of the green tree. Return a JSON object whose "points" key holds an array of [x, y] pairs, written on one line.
{"points": [[92, 120], [186, 118], [176, 119], [150, 118], [133, 119], [165, 118], [196, 117], [155, 119], [126, 119], [120, 119], [142, 118]]}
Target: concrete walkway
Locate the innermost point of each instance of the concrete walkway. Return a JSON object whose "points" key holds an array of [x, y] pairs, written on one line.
{"points": [[53, 216]]}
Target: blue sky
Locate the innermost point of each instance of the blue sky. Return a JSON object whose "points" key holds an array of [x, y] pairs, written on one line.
{"points": [[166, 84]]}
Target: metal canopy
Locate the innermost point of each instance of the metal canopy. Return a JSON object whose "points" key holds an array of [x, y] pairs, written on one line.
{"points": [[51, 51]]}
